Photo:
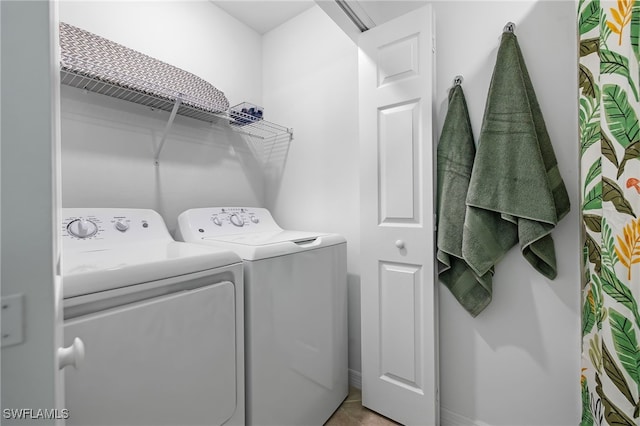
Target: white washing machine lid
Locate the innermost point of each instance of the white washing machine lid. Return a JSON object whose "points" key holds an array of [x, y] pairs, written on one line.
{"points": [[91, 271], [263, 245], [251, 232], [268, 238]]}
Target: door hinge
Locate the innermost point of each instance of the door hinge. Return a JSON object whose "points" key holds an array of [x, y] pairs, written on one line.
{"points": [[12, 314]]}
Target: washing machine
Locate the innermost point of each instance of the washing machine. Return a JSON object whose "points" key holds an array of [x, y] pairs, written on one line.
{"points": [[295, 312], [160, 322]]}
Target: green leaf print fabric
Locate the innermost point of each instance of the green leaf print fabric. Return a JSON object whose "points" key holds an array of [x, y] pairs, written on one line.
{"points": [[609, 107]]}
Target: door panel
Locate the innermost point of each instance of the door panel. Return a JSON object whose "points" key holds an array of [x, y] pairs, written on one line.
{"points": [[398, 60], [400, 183], [400, 287], [399, 315]]}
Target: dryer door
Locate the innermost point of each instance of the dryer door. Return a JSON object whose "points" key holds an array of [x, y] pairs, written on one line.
{"points": [[165, 361]]}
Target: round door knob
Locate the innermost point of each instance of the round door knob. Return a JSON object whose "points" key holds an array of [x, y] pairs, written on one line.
{"points": [[236, 220], [72, 355], [82, 228], [400, 244], [121, 226]]}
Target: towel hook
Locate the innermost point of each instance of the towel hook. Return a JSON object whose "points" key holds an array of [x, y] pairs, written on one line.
{"points": [[509, 28], [458, 80]]}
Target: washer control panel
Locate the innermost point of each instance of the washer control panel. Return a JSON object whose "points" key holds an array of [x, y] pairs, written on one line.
{"points": [[94, 226], [236, 216], [218, 221]]}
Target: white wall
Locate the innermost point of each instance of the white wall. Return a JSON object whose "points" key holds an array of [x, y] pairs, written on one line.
{"points": [[108, 145], [518, 362], [310, 82]]}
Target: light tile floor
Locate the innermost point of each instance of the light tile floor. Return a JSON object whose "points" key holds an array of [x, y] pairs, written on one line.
{"points": [[352, 413]]}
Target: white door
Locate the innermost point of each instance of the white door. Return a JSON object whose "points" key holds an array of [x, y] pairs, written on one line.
{"points": [[399, 315], [30, 194]]}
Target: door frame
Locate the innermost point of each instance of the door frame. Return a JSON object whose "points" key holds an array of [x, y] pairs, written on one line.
{"points": [[30, 203]]}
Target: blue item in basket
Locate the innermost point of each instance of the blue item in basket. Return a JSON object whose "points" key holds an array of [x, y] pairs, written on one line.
{"points": [[245, 113]]}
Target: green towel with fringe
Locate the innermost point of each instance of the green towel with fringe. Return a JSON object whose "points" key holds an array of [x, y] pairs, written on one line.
{"points": [[456, 152], [516, 194]]}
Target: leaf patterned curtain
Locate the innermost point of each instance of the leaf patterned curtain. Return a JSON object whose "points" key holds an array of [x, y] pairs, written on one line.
{"points": [[610, 180]]}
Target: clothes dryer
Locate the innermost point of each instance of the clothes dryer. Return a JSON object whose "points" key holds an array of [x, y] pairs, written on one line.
{"points": [[162, 323], [295, 312]]}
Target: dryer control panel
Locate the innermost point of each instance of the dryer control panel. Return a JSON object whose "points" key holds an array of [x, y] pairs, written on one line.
{"points": [[97, 226], [219, 221]]}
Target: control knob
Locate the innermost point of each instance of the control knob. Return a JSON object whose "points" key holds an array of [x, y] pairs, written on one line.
{"points": [[121, 225], [216, 221], [82, 228], [236, 220]]}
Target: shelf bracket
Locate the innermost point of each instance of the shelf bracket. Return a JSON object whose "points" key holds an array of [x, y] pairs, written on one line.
{"points": [[172, 117]]}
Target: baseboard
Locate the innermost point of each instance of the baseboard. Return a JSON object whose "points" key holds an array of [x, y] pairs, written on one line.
{"points": [[449, 418], [355, 379]]}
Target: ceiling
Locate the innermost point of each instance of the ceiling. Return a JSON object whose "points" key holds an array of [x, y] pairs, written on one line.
{"points": [[265, 15], [383, 11]]}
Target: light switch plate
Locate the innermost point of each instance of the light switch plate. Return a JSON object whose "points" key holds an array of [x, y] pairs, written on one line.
{"points": [[12, 327]]}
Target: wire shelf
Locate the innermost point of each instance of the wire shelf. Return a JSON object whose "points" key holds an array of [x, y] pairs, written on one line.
{"points": [[248, 125]]}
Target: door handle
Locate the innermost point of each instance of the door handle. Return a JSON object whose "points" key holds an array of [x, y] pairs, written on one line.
{"points": [[400, 244], [71, 355]]}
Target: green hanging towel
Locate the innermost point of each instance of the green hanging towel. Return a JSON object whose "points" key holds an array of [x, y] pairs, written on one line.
{"points": [[456, 151], [516, 193]]}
